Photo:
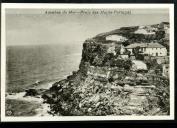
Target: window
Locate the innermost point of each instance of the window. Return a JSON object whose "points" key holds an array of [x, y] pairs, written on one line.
{"points": [[141, 49]]}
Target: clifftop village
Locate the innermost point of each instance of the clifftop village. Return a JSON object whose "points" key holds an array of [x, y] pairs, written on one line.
{"points": [[150, 57], [122, 72]]}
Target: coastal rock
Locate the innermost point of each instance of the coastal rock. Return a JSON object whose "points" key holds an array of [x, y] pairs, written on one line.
{"points": [[31, 92], [106, 83]]}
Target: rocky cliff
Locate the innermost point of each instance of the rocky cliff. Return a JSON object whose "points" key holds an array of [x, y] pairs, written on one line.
{"points": [[105, 83]]}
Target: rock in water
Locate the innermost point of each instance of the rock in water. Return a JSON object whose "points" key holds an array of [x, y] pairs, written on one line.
{"points": [[31, 92]]}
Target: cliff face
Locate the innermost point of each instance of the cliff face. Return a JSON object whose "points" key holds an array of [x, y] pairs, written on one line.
{"points": [[105, 83]]}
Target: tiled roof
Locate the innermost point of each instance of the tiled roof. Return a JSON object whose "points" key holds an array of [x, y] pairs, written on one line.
{"points": [[145, 45]]}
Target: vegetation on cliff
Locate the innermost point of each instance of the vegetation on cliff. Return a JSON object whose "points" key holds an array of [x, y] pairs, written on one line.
{"points": [[105, 83], [160, 35]]}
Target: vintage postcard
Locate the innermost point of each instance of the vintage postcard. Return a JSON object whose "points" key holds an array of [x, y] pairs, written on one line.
{"points": [[73, 62]]}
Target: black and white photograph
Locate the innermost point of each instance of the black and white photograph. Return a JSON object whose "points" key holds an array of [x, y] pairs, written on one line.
{"points": [[87, 62]]}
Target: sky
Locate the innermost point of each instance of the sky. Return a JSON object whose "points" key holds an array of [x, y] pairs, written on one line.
{"points": [[36, 27]]}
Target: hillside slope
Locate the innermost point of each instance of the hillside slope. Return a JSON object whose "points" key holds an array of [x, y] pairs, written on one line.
{"points": [[105, 84]]}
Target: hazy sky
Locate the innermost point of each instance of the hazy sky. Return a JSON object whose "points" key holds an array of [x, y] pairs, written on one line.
{"points": [[24, 26]]}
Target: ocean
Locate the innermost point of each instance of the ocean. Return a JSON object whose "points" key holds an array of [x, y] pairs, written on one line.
{"points": [[45, 63]]}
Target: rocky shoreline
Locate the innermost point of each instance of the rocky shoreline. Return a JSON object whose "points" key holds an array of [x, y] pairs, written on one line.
{"points": [[109, 84], [29, 102]]}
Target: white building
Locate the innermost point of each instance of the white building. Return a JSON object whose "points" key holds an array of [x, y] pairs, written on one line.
{"points": [[111, 48], [153, 49]]}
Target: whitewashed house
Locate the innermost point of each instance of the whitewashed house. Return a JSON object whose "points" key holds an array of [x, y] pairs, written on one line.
{"points": [[152, 49], [116, 40], [111, 48]]}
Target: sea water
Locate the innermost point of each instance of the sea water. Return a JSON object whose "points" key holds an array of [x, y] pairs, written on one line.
{"points": [[26, 65], [45, 64]]}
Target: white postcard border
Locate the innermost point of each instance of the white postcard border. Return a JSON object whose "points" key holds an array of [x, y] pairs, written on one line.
{"points": [[85, 6]]}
